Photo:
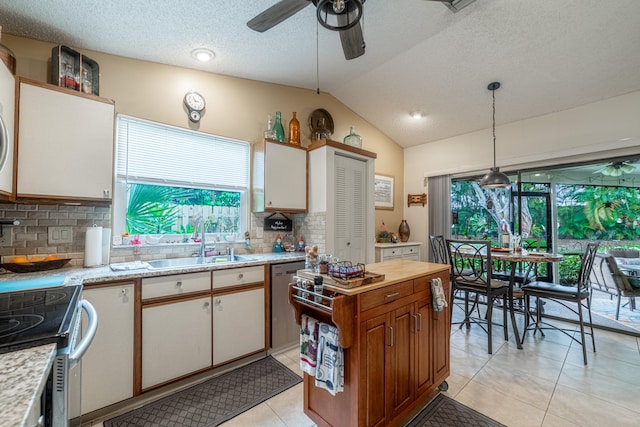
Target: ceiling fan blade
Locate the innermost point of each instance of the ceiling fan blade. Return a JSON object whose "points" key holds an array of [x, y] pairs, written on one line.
{"points": [[276, 14], [352, 39]]}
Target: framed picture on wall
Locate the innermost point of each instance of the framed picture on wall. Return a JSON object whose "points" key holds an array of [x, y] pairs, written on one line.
{"points": [[383, 191]]}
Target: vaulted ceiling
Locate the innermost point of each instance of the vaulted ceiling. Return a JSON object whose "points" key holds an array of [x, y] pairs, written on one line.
{"points": [[549, 55]]}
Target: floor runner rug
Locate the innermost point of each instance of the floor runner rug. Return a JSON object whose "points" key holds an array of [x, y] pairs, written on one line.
{"points": [[216, 400], [444, 411]]}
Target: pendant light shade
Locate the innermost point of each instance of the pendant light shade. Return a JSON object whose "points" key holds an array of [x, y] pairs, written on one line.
{"points": [[495, 178]]}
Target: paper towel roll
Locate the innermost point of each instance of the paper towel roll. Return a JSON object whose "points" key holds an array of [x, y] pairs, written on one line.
{"points": [[93, 247], [106, 245]]}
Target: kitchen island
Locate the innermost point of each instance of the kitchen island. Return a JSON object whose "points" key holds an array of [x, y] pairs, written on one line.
{"points": [[396, 347]]}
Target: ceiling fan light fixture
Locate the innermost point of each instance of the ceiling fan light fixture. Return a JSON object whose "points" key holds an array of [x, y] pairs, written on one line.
{"points": [[495, 178], [203, 54], [349, 15]]}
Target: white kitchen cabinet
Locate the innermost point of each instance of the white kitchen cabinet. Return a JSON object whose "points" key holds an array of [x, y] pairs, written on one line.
{"points": [[279, 177], [175, 285], [341, 180], [64, 145], [176, 339], [403, 250], [238, 324], [107, 366], [7, 112]]}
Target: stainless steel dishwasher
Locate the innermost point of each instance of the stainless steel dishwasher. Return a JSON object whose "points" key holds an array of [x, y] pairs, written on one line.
{"points": [[284, 330]]}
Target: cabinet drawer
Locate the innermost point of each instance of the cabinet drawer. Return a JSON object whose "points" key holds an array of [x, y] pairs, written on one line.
{"points": [[385, 295], [153, 287], [237, 276], [391, 252], [410, 250]]}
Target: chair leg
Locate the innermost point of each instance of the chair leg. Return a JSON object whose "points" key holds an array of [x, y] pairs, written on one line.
{"points": [[593, 338], [618, 308], [584, 344], [489, 324], [505, 328]]}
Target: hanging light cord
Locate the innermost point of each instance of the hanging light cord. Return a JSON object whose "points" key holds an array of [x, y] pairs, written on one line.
{"points": [[317, 59], [493, 92]]}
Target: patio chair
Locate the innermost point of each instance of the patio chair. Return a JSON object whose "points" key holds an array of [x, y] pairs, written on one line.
{"points": [[571, 297], [470, 275], [606, 277]]}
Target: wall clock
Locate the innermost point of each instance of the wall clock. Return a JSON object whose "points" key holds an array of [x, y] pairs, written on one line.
{"points": [[195, 105]]}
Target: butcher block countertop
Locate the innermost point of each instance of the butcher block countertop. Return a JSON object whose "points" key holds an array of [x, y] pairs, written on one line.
{"points": [[394, 272]]}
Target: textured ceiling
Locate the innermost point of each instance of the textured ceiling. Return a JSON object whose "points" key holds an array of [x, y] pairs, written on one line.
{"points": [[549, 55]]}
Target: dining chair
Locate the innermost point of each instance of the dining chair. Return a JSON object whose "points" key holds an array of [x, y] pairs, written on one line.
{"points": [[471, 274], [439, 251], [574, 298]]}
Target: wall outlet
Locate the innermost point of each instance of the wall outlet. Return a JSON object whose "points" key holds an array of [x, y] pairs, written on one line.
{"points": [[7, 237], [60, 235]]}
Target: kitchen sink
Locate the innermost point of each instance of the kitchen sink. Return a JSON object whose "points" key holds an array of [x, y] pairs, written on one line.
{"points": [[163, 264]]}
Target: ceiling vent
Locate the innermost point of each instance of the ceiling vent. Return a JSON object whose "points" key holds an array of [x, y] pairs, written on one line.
{"points": [[457, 5]]}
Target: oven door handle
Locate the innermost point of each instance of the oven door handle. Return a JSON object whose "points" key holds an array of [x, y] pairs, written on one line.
{"points": [[87, 338]]}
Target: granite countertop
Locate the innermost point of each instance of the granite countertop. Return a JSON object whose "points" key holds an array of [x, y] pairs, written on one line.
{"points": [[23, 374], [79, 275]]}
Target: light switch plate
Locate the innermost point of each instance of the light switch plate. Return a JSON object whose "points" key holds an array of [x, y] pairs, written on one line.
{"points": [[60, 235], [7, 237]]}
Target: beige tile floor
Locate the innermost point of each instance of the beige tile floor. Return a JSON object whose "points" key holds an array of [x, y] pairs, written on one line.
{"points": [[545, 384]]}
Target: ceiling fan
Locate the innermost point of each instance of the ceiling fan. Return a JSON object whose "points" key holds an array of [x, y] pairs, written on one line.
{"points": [[617, 169], [336, 15]]}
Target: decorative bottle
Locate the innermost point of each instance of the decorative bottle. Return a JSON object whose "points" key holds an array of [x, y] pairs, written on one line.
{"points": [[403, 231], [278, 130], [268, 133], [353, 139], [294, 130]]}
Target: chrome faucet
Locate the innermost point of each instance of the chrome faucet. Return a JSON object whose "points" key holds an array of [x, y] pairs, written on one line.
{"points": [[200, 221]]}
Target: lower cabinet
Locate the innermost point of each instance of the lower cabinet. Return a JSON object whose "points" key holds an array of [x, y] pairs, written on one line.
{"points": [[238, 324], [107, 366], [176, 339]]}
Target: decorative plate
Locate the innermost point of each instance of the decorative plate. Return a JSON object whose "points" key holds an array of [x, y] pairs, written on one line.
{"points": [[315, 119]]}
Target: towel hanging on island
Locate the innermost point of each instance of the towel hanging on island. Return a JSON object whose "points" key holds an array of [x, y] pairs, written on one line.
{"points": [[437, 294], [330, 369], [308, 344]]}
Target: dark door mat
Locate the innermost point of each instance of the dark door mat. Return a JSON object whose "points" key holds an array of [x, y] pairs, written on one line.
{"points": [[216, 400], [444, 411]]}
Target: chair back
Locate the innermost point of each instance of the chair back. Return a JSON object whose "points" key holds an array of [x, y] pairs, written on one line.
{"points": [[439, 251], [587, 264], [469, 260]]}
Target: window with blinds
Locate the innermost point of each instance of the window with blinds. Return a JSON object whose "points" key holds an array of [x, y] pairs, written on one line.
{"points": [[167, 178]]}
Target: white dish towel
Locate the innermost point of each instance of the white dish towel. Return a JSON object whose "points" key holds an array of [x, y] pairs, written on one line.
{"points": [[437, 294], [330, 369], [308, 344]]}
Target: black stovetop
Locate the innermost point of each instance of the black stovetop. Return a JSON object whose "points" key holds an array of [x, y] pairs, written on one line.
{"points": [[35, 317]]}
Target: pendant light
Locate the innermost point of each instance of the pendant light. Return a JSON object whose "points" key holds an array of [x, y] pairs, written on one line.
{"points": [[495, 178]]}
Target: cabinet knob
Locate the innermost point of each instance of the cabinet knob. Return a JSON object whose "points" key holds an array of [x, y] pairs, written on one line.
{"points": [[218, 301], [106, 193], [240, 276], [206, 304], [124, 291], [178, 284]]}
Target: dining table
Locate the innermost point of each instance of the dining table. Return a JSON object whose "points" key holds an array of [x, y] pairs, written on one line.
{"points": [[522, 256]]}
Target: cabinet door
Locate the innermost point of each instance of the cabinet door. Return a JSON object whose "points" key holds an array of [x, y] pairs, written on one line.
{"points": [[285, 186], [401, 344], [238, 325], [350, 193], [7, 111], [423, 342], [107, 366], [375, 368], [65, 145], [176, 340]]}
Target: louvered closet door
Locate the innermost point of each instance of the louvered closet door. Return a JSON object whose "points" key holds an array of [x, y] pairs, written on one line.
{"points": [[349, 198]]}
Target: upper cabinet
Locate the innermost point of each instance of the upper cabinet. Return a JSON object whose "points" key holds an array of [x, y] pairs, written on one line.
{"points": [[279, 177], [64, 146], [7, 111]]}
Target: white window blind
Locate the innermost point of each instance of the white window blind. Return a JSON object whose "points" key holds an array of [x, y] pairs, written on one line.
{"points": [[156, 153]]}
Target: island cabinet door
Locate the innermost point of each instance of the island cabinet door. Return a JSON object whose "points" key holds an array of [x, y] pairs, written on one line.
{"points": [[424, 336], [374, 370], [402, 351]]}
